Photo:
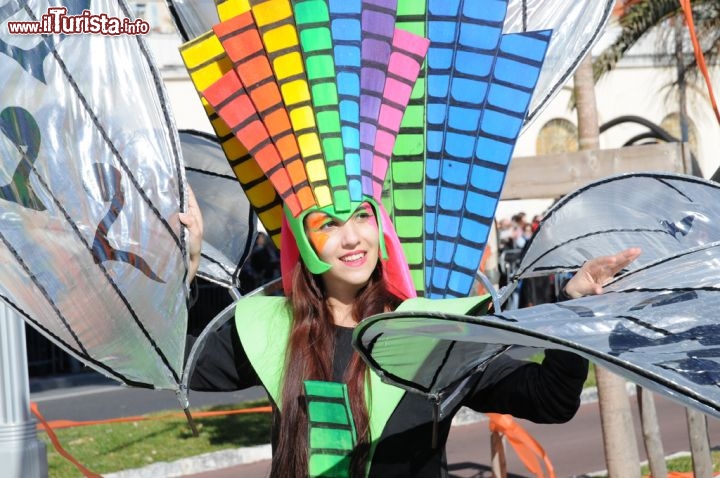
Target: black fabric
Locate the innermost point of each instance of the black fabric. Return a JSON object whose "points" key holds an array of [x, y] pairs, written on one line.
{"points": [[544, 393], [562, 295], [222, 365], [343, 354]]}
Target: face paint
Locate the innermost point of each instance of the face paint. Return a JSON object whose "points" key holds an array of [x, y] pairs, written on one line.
{"points": [[320, 226], [315, 226], [302, 227]]}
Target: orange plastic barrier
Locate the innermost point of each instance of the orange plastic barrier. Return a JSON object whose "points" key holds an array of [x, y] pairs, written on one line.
{"points": [[526, 447], [699, 57], [58, 446], [58, 424]]}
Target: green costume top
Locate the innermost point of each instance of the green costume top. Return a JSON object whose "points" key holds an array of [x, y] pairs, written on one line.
{"points": [[264, 325]]}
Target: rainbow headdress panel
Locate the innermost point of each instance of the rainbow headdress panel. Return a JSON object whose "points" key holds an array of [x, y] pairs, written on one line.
{"points": [[324, 104]]}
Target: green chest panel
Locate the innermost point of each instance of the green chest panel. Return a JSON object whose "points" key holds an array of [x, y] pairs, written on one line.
{"points": [[263, 324], [331, 430]]}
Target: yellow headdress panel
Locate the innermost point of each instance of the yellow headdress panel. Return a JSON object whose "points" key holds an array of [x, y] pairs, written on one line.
{"points": [[207, 62]]}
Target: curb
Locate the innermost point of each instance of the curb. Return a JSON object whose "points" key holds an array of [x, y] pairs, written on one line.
{"points": [[198, 464]]}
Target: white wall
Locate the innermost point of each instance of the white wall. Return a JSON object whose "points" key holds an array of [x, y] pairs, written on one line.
{"points": [[640, 87]]}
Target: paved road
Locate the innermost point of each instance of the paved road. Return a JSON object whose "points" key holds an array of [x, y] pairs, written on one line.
{"points": [[95, 398], [575, 448]]}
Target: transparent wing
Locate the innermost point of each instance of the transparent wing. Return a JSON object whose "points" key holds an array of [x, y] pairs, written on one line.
{"points": [[650, 326], [193, 17], [91, 181], [661, 213], [576, 27], [230, 223]]}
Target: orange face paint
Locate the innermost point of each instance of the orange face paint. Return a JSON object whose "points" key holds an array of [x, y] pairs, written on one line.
{"points": [[317, 233]]}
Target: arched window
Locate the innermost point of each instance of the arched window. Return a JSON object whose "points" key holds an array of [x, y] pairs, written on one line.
{"points": [[557, 136], [671, 124]]}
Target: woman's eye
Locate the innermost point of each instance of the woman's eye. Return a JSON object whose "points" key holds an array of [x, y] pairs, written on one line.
{"points": [[328, 225], [364, 213]]}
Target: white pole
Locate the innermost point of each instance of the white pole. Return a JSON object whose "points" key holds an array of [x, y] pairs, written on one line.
{"points": [[22, 454]]}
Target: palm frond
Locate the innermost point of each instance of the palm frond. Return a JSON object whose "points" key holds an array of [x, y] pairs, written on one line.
{"points": [[637, 21], [646, 15]]}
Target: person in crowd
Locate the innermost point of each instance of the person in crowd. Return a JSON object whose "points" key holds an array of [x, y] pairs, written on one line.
{"points": [[505, 230], [518, 234]]}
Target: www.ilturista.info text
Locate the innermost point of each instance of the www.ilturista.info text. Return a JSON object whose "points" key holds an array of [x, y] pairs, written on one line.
{"points": [[57, 21]]}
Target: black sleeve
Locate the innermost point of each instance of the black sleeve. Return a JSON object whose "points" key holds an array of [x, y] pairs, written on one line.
{"points": [[222, 365], [543, 393]]}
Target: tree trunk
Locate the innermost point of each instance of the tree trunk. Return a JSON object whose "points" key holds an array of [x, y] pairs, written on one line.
{"points": [[621, 453], [699, 444], [651, 434], [586, 105], [497, 456]]}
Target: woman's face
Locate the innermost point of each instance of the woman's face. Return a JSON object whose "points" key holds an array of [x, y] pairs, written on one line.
{"points": [[350, 247]]}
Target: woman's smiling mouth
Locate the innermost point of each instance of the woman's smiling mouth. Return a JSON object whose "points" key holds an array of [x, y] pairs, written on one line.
{"points": [[354, 258]]}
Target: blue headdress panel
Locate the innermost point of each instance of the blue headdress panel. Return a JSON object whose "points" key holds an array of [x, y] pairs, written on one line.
{"points": [[346, 31], [479, 86]]}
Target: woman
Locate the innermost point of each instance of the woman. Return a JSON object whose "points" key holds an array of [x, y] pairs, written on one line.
{"points": [[307, 336]]}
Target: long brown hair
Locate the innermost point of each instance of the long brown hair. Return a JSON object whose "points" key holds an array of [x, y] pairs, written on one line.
{"points": [[309, 356]]}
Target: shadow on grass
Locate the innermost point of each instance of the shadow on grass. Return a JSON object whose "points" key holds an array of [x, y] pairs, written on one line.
{"points": [[141, 438], [236, 430]]}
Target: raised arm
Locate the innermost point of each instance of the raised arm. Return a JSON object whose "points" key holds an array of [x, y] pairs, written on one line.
{"points": [[547, 392], [593, 274]]}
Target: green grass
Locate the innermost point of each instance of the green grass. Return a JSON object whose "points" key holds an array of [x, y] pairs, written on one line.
{"points": [[684, 463], [680, 464], [118, 446], [590, 380]]}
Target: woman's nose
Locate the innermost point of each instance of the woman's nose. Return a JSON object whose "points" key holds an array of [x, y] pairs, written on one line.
{"points": [[350, 235]]}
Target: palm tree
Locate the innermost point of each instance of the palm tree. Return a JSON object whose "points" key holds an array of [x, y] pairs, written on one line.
{"points": [[638, 17]]}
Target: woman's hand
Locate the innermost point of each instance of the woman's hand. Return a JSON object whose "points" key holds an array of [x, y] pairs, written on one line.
{"points": [[591, 277], [192, 219]]}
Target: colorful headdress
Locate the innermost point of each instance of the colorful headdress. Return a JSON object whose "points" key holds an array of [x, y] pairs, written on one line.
{"points": [[323, 104]]}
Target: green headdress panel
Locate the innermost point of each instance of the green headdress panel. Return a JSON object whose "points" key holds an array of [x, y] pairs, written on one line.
{"points": [[335, 103]]}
